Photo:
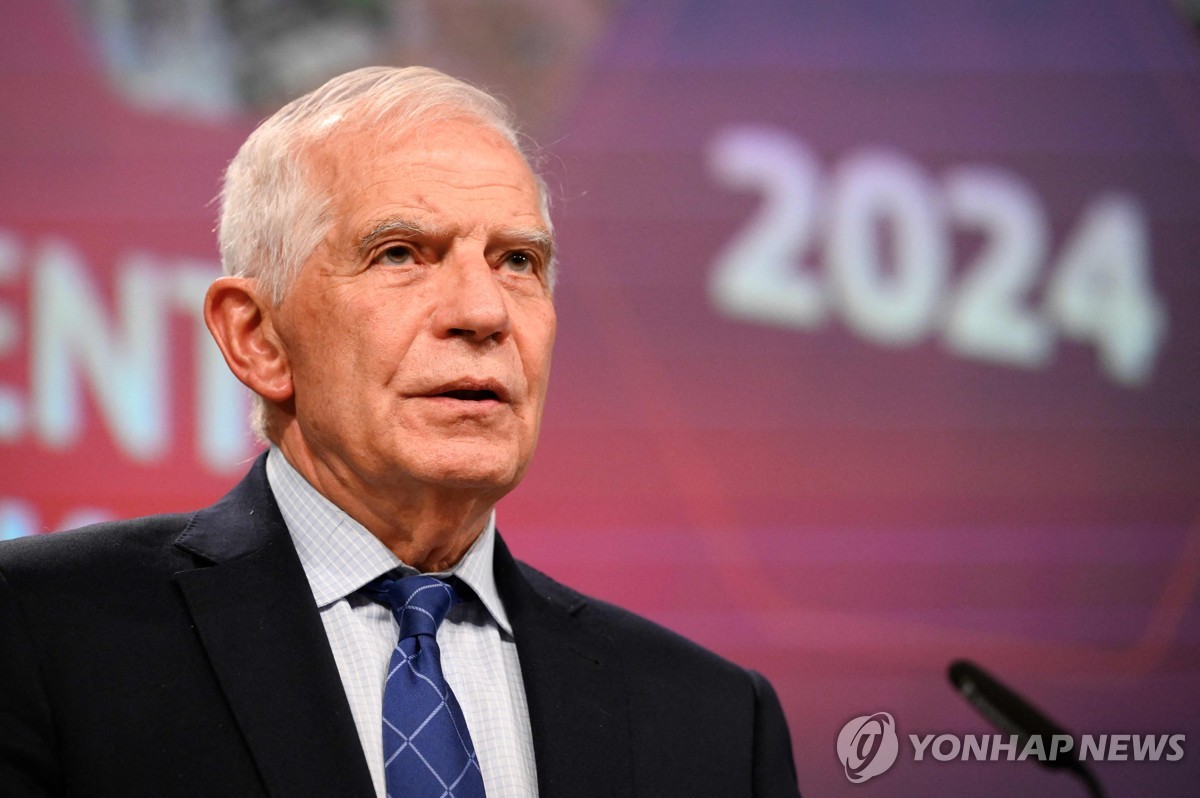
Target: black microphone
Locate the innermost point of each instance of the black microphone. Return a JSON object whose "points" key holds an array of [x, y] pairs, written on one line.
{"points": [[1010, 713]]}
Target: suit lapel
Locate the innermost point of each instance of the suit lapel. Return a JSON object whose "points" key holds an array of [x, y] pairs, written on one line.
{"points": [[255, 616], [578, 702]]}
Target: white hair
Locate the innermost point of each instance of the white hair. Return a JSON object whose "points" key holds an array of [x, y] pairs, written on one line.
{"points": [[273, 216]]}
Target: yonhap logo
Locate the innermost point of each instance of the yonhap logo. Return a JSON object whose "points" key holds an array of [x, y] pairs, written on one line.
{"points": [[868, 746]]}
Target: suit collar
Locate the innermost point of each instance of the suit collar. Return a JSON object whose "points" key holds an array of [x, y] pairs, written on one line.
{"points": [[255, 615], [243, 522], [578, 700]]}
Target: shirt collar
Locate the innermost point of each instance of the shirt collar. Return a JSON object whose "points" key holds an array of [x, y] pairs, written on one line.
{"points": [[339, 555]]}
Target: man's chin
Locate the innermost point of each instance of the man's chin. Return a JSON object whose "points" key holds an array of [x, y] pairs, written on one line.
{"points": [[482, 481], [485, 471]]}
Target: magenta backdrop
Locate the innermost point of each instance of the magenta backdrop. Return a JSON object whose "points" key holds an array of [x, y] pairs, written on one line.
{"points": [[878, 348]]}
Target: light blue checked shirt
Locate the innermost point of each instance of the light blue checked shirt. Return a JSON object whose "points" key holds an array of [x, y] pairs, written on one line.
{"points": [[479, 654]]}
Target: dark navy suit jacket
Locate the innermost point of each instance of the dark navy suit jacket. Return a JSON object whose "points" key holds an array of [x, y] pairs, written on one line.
{"points": [[182, 655]]}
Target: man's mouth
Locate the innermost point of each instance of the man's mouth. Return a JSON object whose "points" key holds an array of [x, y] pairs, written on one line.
{"points": [[471, 389], [470, 395]]}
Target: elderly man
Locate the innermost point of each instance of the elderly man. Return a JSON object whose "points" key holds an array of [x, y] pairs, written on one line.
{"points": [[347, 621]]}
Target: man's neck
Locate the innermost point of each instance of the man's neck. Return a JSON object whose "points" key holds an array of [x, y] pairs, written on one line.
{"points": [[429, 527]]}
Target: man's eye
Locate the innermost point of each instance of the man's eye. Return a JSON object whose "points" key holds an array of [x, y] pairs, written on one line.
{"points": [[396, 256], [519, 261]]}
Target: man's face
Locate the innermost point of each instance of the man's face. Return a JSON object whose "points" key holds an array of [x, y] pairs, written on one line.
{"points": [[418, 334]]}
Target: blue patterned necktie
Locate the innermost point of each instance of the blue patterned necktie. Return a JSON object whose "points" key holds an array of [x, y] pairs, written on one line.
{"points": [[427, 751]]}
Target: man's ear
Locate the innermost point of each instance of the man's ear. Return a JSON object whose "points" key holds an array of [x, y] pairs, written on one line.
{"points": [[240, 321]]}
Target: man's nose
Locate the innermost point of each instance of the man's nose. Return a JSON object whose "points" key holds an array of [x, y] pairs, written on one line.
{"points": [[473, 304]]}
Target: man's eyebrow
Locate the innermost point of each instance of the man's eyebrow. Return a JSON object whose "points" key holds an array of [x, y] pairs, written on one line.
{"points": [[535, 238], [385, 228]]}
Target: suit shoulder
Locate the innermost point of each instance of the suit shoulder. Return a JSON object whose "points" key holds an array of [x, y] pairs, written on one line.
{"points": [[657, 647], [701, 724], [97, 547]]}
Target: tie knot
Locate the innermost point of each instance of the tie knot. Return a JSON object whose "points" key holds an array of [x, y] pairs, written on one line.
{"points": [[420, 603]]}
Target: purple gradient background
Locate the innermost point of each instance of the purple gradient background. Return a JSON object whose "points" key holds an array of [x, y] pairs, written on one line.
{"points": [[844, 517]]}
